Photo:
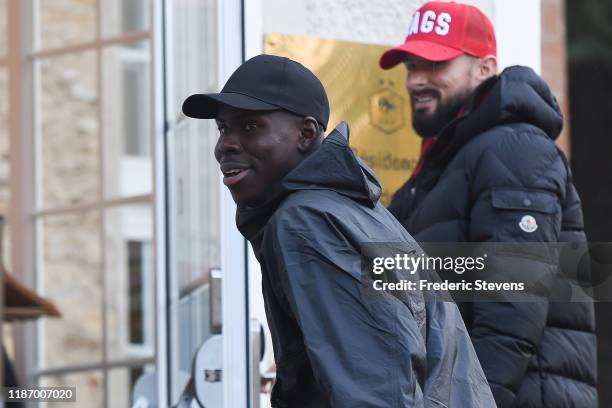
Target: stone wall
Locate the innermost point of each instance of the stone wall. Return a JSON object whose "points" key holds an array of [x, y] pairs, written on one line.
{"points": [[70, 266]]}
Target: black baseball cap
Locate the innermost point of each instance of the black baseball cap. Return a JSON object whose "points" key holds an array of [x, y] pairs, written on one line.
{"points": [[264, 83]]}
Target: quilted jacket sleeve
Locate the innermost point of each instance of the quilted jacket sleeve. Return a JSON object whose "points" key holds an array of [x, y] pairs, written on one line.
{"points": [[517, 189]]}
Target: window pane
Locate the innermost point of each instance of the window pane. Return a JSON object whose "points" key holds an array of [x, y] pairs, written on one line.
{"points": [[3, 28], [89, 389], [69, 274], [68, 101], [194, 51], [125, 16], [121, 383], [127, 116], [193, 184], [5, 248], [65, 22], [130, 282], [190, 330], [4, 144], [196, 191]]}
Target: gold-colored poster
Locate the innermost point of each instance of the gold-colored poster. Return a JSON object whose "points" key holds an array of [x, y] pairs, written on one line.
{"points": [[373, 102]]}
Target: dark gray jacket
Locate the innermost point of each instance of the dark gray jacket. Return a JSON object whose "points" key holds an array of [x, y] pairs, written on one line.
{"points": [[494, 165], [332, 347]]}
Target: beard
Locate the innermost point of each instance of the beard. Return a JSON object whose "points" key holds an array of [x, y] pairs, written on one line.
{"points": [[430, 124]]}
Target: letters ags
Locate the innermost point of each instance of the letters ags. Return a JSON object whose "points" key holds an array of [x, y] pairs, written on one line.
{"points": [[429, 21]]}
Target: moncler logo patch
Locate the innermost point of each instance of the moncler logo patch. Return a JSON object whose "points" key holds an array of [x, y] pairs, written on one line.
{"points": [[428, 22], [528, 223]]}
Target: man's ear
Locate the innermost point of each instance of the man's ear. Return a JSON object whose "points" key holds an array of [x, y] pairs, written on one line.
{"points": [[309, 135], [485, 68]]}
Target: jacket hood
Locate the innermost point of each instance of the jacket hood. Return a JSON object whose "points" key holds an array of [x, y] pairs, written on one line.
{"points": [[518, 94], [332, 166]]}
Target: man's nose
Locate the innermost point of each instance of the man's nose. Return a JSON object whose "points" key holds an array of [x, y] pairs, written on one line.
{"points": [[228, 143], [416, 79]]}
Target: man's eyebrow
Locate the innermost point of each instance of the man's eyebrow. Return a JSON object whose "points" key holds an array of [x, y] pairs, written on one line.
{"points": [[249, 115], [240, 116]]}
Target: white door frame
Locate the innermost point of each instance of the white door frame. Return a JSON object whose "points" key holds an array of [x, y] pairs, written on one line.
{"points": [[234, 293]]}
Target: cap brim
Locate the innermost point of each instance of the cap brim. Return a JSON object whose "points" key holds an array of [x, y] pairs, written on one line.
{"points": [[428, 50], [206, 106]]}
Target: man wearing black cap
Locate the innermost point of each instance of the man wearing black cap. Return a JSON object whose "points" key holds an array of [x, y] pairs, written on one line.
{"points": [[307, 205], [490, 172]]}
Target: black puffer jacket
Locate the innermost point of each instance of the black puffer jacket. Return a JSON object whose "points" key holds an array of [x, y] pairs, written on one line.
{"points": [[489, 169], [332, 346]]}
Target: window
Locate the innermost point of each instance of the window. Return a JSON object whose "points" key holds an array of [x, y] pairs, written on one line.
{"points": [[85, 212], [127, 128], [140, 274], [194, 235], [135, 95]]}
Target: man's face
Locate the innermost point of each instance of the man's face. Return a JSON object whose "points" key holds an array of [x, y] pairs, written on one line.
{"points": [[438, 90], [255, 150]]}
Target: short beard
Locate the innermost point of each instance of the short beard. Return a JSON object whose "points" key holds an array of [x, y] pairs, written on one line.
{"points": [[430, 124]]}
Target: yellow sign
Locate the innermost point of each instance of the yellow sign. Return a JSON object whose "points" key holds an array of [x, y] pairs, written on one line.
{"points": [[372, 101]]}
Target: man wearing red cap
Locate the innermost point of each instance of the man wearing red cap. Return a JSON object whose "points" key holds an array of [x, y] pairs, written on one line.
{"points": [[489, 171]]}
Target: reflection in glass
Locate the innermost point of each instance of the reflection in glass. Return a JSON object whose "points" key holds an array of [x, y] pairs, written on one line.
{"points": [[121, 383], [195, 240], [125, 16], [89, 389], [69, 273], [129, 282], [4, 144], [194, 185], [127, 117], [3, 28], [4, 164], [68, 141], [191, 330], [62, 23]]}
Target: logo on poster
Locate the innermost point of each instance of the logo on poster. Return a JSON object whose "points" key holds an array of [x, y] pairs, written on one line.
{"points": [[387, 110]]}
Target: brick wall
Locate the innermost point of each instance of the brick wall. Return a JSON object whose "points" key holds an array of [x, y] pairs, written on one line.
{"points": [[554, 59]]}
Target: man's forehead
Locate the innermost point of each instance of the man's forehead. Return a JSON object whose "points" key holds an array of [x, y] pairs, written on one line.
{"points": [[416, 59], [226, 113]]}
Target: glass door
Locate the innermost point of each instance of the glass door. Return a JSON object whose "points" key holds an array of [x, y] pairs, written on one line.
{"points": [[206, 274]]}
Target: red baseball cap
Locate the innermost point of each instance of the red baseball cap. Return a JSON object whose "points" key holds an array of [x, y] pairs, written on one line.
{"points": [[440, 31]]}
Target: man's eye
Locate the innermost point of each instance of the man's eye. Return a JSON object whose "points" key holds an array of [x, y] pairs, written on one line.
{"points": [[221, 129], [250, 126]]}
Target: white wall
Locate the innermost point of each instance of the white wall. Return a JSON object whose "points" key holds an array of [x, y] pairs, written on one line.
{"points": [[517, 23], [367, 21], [518, 29]]}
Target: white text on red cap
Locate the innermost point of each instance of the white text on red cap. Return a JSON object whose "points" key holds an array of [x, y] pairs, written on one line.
{"points": [[440, 24]]}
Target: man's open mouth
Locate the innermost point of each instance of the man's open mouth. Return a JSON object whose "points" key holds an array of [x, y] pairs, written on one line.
{"points": [[423, 100], [234, 176]]}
